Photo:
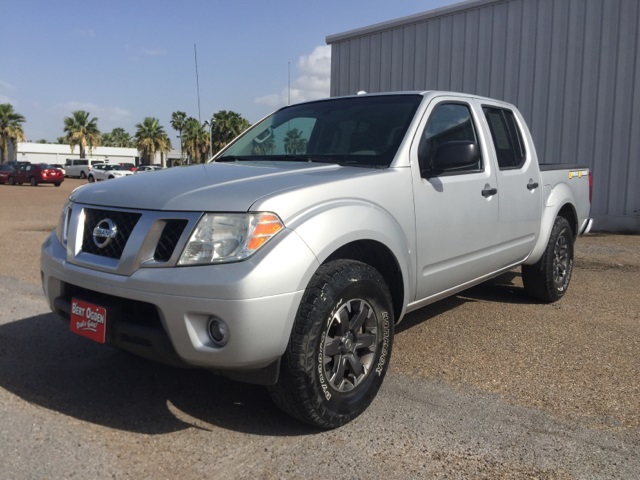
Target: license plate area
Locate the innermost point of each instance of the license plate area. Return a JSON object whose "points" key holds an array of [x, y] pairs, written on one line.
{"points": [[88, 320]]}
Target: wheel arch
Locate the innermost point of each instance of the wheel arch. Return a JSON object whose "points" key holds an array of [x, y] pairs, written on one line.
{"points": [[380, 257], [560, 202]]}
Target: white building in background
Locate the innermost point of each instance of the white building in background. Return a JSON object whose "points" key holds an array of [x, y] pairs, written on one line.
{"points": [[56, 153]]}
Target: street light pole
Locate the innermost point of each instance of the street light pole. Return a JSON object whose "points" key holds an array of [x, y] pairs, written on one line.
{"points": [[211, 123]]}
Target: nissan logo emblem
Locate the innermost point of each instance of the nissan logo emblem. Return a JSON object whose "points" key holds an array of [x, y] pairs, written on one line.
{"points": [[104, 232]]}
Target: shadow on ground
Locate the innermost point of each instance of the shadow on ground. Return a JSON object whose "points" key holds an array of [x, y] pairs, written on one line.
{"points": [[46, 365]]}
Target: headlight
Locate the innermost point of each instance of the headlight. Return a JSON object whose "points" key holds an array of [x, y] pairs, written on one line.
{"points": [[62, 228], [222, 237]]}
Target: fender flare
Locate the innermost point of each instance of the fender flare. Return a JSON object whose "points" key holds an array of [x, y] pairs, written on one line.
{"points": [[353, 220], [559, 198]]}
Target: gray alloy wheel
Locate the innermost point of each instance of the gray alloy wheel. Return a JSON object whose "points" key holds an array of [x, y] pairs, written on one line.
{"points": [[548, 279], [350, 345]]}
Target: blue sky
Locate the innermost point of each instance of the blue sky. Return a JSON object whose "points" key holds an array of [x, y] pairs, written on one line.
{"points": [[126, 60]]}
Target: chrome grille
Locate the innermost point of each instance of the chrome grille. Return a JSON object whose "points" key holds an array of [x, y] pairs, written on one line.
{"points": [[124, 222]]}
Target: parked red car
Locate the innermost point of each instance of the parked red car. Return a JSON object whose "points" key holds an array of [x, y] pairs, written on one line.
{"points": [[5, 171], [129, 166], [35, 174]]}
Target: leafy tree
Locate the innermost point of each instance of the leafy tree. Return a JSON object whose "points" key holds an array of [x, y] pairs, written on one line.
{"points": [[227, 125], [196, 140], [61, 141], [178, 120], [294, 143], [10, 129], [118, 138], [42, 140], [151, 138], [81, 131], [267, 147]]}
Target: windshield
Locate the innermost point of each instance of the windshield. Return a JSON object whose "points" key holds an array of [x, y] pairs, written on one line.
{"points": [[361, 131]]}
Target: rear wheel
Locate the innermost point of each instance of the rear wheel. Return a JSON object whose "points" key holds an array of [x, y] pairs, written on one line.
{"points": [[83, 175], [548, 279], [56, 184], [33, 182], [11, 181], [339, 348]]}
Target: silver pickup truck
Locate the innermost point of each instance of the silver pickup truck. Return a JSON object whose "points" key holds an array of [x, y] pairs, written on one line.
{"points": [[289, 257]]}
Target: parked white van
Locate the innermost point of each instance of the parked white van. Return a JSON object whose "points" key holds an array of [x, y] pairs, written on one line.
{"points": [[79, 167]]}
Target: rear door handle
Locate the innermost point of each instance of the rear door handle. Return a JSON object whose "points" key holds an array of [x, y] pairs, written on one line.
{"points": [[532, 185], [488, 192]]}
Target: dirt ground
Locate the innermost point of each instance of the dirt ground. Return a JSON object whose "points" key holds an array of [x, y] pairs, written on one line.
{"points": [[578, 358]]}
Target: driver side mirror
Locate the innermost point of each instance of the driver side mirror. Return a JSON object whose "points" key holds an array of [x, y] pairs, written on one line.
{"points": [[456, 155]]}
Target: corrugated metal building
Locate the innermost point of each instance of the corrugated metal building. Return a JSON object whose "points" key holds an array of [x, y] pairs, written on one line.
{"points": [[572, 67]]}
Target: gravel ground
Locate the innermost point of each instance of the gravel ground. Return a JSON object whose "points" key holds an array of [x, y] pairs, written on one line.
{"points": [[485, 384]]}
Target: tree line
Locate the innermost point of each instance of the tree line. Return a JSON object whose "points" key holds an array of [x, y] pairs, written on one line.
{"points": [[197, 140]]}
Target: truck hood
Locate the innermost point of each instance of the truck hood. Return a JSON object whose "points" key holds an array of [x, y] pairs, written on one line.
{"points": [[223, 187]]}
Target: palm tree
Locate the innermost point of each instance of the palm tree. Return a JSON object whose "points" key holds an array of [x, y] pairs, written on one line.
{"points": [[196, 140], [10, 129], [227, 125], [294, 143], [118, 138], [178, 120], [151, 138], [81, 131]]}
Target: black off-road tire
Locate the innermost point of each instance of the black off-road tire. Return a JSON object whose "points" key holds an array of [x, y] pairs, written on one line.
{"points": [[339, 348], [548, 279]]}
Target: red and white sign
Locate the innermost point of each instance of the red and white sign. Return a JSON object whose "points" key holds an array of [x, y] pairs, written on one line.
{"points": [[89, 320]]}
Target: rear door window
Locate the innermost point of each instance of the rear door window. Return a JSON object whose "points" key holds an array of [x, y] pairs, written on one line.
{"points": [[507, 137]]}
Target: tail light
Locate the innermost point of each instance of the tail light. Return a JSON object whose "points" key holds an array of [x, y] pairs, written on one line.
{"points": [[590, 185]]}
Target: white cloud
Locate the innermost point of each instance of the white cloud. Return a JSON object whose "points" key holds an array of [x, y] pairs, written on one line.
{"points": [[312, 80], [6, 85], [136, 52]]}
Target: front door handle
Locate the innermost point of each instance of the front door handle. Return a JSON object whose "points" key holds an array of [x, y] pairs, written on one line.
{"points": [[532, 185], [489, 192]]}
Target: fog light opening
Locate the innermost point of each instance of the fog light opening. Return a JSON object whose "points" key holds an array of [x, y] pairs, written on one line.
{"points": [[218, 331]]}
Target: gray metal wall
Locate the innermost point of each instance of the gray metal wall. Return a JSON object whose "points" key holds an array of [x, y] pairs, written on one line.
{"points": [[572, 67]]}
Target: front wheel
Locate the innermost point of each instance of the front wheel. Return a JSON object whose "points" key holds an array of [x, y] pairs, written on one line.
{"points": [[548, 279], [339, 348], [83, 175], [91, 179], [11, 181], [33, 182]]}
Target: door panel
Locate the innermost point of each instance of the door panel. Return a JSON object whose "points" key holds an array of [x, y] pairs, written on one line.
{"points": [[520, 199], [456, 225]]}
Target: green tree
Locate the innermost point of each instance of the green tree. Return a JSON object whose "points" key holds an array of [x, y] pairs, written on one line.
{"points": [[150, 139], [81, 131], [294, 143], [227, 125], [118, 138], [178, 120], [196, 140], [10, 129]]}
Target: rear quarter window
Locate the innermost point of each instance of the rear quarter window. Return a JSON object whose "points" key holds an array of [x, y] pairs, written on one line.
{"points": [[507, 138]]}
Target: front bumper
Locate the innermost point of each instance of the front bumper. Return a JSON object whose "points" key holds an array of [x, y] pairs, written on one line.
{"points": [[163, 313]]}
